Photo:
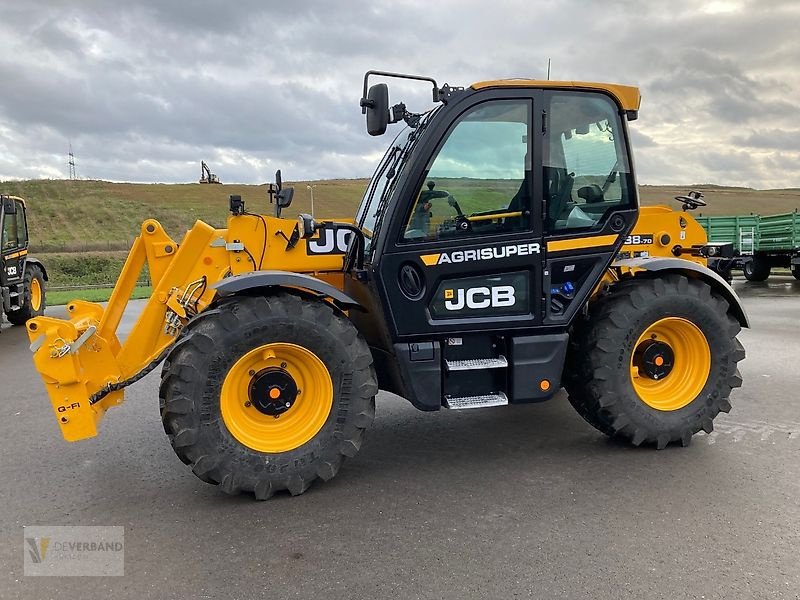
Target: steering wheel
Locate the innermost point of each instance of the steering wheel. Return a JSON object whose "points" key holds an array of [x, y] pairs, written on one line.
{"points": [[692, 200]]}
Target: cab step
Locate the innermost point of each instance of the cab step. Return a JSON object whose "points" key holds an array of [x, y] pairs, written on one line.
{"points": [[471, 364], [483, 401]]}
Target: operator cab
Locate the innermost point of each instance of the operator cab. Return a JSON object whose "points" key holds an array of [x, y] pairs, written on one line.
{"points": [[489, 221]]}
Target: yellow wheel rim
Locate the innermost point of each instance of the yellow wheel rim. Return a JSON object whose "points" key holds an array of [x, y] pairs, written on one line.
{"points": [[244, 396], [36, 295], [670, 364]]}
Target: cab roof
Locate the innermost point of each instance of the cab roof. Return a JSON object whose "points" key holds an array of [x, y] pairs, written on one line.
{"points": [[22, 200], [627, 96]]}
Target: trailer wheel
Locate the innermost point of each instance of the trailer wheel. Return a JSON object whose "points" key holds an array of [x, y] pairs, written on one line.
{"points": [[33, 298], [756, 270], [264, 394], [655, 361]]}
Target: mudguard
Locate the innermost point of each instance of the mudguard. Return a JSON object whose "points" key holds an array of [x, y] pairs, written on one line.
{"points": [[246, 282], [38, 263], [677, 265]]}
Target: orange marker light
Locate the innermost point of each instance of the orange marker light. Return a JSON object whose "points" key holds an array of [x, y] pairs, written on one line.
{"points": [[544, 385]]}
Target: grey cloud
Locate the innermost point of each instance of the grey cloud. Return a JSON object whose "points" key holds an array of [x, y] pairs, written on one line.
{"points": [[145, 90]]}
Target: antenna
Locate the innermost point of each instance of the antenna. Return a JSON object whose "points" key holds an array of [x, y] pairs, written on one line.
{"points": [[72, 172], [548, 69]]}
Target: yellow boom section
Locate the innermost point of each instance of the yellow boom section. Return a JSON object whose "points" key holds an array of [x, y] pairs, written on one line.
{"points": [[81, 360]]}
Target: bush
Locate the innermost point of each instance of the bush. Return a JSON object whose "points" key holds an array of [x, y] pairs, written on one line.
{"points": [[83, 269]]}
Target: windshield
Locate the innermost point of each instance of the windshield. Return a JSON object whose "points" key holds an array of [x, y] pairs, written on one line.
{"points": [[383, 181]]}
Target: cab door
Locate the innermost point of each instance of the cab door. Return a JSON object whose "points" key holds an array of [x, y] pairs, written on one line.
{"points": [[14, 241], [464, 249]]}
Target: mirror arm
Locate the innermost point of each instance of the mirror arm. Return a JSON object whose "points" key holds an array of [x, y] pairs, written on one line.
{"points": [[365, 103]]}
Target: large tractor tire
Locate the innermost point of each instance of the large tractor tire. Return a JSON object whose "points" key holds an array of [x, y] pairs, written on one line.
{"points": [[264, 394], [33, 299], [655, 361], [756, 270]]}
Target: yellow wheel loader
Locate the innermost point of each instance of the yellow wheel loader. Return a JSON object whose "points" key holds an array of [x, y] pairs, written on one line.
{"points": [[495, 258], [22, 276]]}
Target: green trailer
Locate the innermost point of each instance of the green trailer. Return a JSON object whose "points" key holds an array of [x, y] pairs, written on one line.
{"points": [[760, 243]]}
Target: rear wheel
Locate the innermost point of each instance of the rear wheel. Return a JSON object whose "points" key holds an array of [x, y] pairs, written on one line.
{"points": [[33, 299], [655, 361], [268, 394], [756, 270]]}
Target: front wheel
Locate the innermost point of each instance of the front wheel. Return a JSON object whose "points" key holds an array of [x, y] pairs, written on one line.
{"points": [[264, 394], [655, 361], [33, 299]]}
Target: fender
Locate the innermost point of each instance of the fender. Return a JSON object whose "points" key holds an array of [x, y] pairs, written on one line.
{"points": [[692, 269], [38, 263], [259, 280]]}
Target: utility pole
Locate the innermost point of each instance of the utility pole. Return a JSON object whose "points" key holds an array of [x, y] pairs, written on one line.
{"points": [[311, 187], [72, 172]]}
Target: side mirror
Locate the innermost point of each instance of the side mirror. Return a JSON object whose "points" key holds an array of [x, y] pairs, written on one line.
{"points": [[284, 197], [377, 107]]}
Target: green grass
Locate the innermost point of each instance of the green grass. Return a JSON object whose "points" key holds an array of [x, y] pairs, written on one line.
{"points": [[80, 216], [92, 295]]}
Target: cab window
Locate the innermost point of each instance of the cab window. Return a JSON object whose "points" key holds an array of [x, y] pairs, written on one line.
{"points": [[14, 232], [478, 182], [586, 171]]}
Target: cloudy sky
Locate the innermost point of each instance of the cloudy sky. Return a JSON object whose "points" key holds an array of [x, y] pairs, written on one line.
{"points": [[144, 90]]}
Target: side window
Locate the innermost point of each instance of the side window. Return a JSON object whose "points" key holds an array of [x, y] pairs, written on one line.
{"points": [[586, 172], [10, 231], [22, 230], [477, 184]]}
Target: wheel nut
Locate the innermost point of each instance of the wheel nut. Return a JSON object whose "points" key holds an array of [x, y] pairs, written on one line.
{"points": [[251, 372], [288, 405], [248, 404], [283, 365]]}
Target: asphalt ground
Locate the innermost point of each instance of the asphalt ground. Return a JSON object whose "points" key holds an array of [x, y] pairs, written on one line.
{"points": [[512, 502]]}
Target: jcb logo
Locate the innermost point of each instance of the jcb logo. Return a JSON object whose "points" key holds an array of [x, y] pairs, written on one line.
{"points": [[12, 271], [330, 241], [477, 298]]}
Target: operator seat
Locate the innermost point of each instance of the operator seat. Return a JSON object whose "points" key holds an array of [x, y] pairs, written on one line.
{"points": [[558, 192]]}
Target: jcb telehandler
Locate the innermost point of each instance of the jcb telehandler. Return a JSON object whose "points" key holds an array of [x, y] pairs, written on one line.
{"points": [[492, 261], [22, 277]]}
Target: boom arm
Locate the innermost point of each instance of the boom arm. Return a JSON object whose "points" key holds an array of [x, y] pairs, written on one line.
{"points": [[82, 361]]}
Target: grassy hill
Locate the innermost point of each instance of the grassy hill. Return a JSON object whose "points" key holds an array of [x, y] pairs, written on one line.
{"points": [[82, 229], [68, 216]]}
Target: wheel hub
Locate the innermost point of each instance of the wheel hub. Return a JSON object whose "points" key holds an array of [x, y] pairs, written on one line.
{"points": [[273, 391], [654, 359]]}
